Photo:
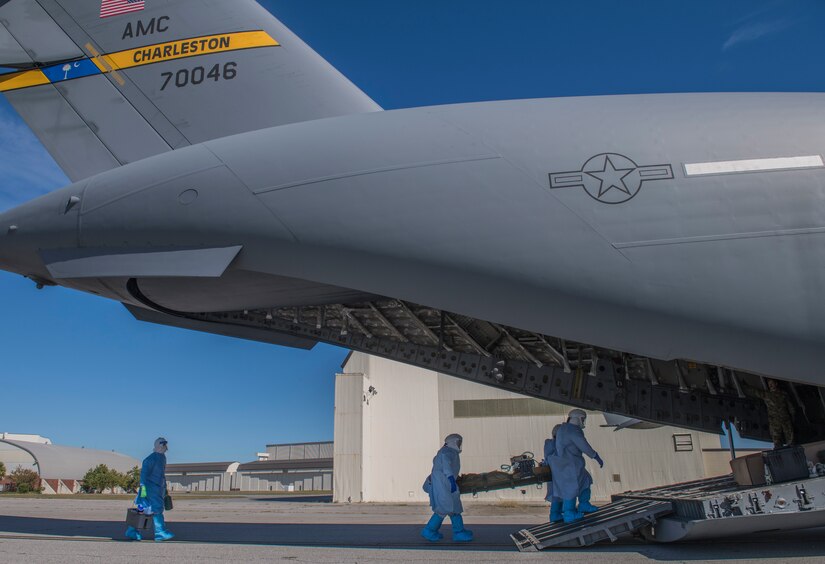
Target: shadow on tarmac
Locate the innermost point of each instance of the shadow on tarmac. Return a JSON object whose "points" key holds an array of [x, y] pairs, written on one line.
{"points": [[345, 535], [808, 543]]}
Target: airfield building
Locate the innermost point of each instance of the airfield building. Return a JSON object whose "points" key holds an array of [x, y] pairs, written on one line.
{"points": [[289, 467], [391, 418], [201, 476], [61, 468], [281, 468]]}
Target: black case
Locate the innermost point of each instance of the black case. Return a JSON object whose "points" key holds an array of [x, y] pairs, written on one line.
{"points": [[138, 520]]}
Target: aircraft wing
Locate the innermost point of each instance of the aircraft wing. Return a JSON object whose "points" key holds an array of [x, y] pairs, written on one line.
{"points": [[103, 83]]}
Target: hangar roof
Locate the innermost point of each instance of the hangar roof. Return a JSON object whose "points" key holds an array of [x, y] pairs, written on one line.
{"points": [[300, 444], [270, 465], [71, 463], [209, 467]]}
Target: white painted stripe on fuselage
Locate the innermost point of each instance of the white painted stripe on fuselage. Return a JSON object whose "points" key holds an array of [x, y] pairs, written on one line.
{"points": [[753, 165]]}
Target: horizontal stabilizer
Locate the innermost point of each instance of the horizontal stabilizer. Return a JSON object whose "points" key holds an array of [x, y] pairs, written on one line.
{"points": [[227, 330], [103, 84], [108, 262]]}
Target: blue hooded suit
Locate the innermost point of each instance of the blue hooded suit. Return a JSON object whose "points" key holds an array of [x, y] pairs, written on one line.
{"points": [[570, 476], [153, 476], [445, 464], [549, 451]]}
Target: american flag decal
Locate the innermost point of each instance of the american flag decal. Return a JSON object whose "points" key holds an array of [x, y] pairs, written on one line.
{"points": [[118, 7]]}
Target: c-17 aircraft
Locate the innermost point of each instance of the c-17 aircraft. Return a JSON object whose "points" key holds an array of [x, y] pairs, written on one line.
{"points": [[645, 255]]}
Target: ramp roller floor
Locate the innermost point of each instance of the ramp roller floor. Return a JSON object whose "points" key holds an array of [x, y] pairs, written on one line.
{"points": [[617, 519]]}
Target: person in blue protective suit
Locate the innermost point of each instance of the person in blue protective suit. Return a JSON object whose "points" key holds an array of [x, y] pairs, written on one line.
{"points": [[152, 491], [445, 498], [555, 502], [571, 480]]}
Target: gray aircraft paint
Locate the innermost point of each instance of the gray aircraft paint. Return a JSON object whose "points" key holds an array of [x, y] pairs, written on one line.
{"points": [[103, 263], [96, 123], [30, 34], [497, 211], [463, 200]]}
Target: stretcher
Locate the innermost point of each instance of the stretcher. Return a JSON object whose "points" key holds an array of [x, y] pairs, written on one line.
{"points": [[521, 473]]}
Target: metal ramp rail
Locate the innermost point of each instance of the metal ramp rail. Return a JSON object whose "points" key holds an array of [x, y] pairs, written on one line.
{"points": [[695, 489], [608, 523]]}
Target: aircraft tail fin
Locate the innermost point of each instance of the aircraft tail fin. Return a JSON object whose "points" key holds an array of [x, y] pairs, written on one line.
{"points": [[106, 82]]}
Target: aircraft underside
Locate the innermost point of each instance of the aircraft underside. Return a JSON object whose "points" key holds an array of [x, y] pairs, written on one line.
{"points": [[682, 393]]}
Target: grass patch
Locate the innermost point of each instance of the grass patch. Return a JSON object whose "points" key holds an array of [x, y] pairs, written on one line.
{"points": [[508, 504]]}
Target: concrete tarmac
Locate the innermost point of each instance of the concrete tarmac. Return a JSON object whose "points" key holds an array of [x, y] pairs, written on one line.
{"points": [[273, 529]]}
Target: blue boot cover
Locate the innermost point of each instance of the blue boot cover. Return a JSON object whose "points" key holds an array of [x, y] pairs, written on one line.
{"points": [[161, 534], [460, 534], [569, 513], [133, 534], [430, 532], [555, 511], [584, 502]]}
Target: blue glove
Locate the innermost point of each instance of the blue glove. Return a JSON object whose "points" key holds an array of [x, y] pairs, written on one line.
{"points": [[453, 485], [599, 460]]}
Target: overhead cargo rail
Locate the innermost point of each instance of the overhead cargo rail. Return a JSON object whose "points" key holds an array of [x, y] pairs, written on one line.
{"points": [[666, 392]]}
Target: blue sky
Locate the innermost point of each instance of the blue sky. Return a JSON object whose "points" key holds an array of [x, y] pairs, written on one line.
{"points": [[80, 370]]}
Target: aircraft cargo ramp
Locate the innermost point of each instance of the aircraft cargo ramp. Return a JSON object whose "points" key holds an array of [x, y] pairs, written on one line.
{"points": [[610, 522], [710, 508]]}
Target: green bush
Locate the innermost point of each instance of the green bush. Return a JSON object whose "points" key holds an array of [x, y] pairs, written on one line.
{"points": [[2, 470], [102, 478], [131, 480], [25, 481]]}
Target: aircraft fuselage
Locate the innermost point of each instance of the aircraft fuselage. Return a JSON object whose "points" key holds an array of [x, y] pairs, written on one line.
{"points": [[670, 226]]}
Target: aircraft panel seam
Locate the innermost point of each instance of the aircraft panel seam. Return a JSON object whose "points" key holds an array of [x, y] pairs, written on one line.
{"points": [[367, 172], [721, 237], [528, 175], [242, 183], [152, 185]]}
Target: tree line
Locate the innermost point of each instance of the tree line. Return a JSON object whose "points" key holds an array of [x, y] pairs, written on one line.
{"points": [[102, 478], [22, 480], [97, 480]]}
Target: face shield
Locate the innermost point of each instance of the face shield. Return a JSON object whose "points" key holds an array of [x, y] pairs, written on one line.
{"points": [[454, 441], [161, 445], [577, 417]]}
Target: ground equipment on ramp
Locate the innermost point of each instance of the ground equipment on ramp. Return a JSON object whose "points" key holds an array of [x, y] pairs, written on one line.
{"points": [[787, 464], [524, 464]]}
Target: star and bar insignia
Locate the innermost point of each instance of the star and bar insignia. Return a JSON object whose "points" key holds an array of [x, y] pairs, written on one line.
{"points": [[611, 178]]}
